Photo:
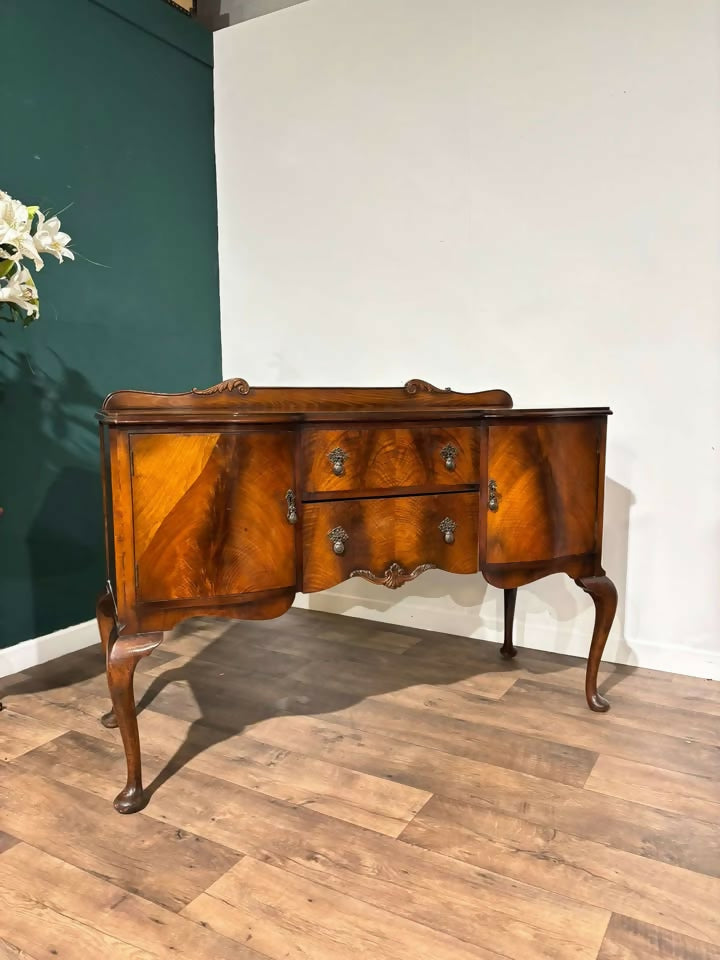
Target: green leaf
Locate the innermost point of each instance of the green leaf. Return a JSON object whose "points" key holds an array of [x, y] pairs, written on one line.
{"points": [[5, 267]]}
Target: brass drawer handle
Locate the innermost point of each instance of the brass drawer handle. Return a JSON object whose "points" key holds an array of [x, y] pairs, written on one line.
{"points": [[338, 538], [449, 454], [447, 529], [337, 458], [291, 507], [493, 499]]}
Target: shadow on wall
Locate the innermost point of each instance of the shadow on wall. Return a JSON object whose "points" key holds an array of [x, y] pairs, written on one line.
{"points": [[557, 594], [52, 544]]}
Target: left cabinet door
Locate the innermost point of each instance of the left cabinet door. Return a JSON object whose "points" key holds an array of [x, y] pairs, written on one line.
{"points": [[210, 513]]}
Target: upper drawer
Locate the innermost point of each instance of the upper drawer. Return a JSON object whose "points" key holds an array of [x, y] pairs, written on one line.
{"points": [[384, 458]]}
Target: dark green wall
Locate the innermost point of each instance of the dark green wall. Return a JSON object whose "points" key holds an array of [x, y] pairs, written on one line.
{"points": [[108, 112]]}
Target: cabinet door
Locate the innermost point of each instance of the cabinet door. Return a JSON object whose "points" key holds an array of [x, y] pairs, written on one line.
{"points": [[547, 477], [210, 515]]}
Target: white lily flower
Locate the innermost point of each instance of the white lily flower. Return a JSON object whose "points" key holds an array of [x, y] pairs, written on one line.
{"points": [[20, 290], [15, 224], [17, 242], [49, 238]]}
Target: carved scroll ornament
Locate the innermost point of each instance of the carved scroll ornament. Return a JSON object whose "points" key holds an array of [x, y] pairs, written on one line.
{"points": [[422, 386], [236, 385], [395, 576]]}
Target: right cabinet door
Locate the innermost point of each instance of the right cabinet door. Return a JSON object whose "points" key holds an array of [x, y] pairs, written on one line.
{"points": [[547, 480]]}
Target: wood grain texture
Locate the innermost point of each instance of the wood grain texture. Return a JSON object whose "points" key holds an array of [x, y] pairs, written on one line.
{"points": [[19, 733], [324, 787], [236, 396], [543, 802], [347, 795], [74, 826], [210, 515], [295, 918], [86, 916], [404, 530], [510, 576], [262, 605], [388, 458], [9, 951], [410, 683], [523, 712], [688, 795], [629, 939], [547, 484], [537, 755], [564, 864]]}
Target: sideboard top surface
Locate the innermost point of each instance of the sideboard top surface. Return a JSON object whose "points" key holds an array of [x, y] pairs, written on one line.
{"points": [[234, 401]]}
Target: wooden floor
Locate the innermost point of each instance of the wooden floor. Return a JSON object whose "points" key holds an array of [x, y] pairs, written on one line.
{"points": [[327, 789]]}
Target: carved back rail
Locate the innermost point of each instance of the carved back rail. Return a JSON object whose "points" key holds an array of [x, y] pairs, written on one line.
{"points": [[238, 396]]}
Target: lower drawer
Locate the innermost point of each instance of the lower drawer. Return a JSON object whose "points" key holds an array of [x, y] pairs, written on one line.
{"points": [[388, 540]]}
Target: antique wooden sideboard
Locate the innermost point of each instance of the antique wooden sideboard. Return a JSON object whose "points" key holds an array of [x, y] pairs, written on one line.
{"points": [[227, 501]]}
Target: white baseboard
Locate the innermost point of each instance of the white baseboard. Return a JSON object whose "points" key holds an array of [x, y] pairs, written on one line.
{"points": [[30, 653], [571, 638]]}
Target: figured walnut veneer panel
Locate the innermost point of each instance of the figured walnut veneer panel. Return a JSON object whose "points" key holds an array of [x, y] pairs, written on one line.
{"points": [[547, 484], [179, 459], [387, 458], [209, 514], [402, 530]]}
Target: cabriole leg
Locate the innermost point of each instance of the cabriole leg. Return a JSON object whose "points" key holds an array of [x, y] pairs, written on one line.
{"points": [[509, 596], [122, 660], [105, 614], [604, 595]]}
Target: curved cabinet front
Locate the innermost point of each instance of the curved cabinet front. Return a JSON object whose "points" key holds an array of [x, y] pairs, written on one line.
{"points": [[388, 541], [210, 514], [543, 490]]}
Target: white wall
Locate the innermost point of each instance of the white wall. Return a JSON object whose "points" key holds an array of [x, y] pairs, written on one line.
{"points": [[499, 193]]}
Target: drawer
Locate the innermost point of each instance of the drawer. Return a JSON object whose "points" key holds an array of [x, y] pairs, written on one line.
{"points": [[384, 458], [346, 538]]}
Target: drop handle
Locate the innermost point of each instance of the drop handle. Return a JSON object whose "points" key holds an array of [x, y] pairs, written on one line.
{"points": [[338, 538], [291, 507], [337, 458], [493, 498], [449, 455], [447, 529]]}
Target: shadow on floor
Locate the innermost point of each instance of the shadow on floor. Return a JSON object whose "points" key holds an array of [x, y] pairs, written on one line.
{"points": [[245, 672]]}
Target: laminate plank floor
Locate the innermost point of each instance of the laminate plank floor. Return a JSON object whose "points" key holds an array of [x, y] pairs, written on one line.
{"points": [[323, 787]]}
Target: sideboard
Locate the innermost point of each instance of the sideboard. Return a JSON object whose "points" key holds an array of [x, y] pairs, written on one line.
{"points": [[228, 501]]}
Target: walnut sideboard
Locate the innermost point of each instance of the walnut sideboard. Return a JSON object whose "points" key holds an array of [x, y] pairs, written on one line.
{"points": [[228, 501]]}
